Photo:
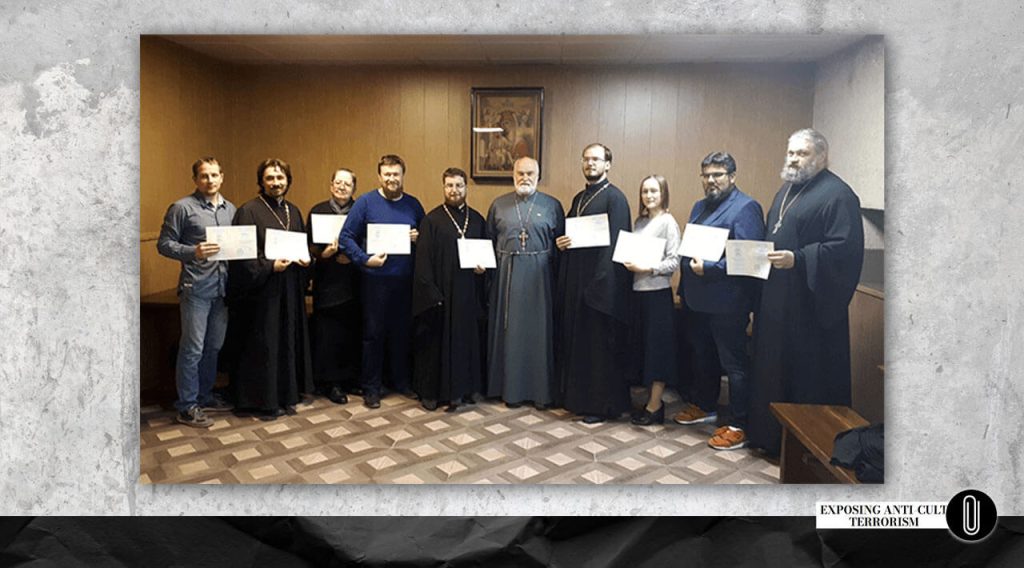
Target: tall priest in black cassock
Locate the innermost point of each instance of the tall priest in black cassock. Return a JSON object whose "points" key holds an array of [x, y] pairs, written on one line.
{"points": [[271, 366], [336, 324], [449, 302], [595, 292], [802, 330]]}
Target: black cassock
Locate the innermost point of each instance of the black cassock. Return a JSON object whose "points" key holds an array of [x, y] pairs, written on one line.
{"points": [[449, 309], [592, 348], [336, 325], [802, 329], [267, 319]]}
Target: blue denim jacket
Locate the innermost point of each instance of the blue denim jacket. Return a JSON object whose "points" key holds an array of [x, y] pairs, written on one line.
{"points": [[185, 227]]}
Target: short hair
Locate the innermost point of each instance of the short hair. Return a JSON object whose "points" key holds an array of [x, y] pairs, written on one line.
{"points": [[204, 160], [391, 160], [662, 184], [521, 158], [349, 172], [816, 138], [719, 159], [273, 163], [607, 150], [454, 172]]}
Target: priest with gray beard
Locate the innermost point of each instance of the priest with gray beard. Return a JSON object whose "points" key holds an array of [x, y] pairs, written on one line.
{"points": [[523, 225], [802, 329]]}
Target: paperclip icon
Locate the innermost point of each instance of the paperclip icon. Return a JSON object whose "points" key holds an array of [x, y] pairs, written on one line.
{"points": [[972, 515]]}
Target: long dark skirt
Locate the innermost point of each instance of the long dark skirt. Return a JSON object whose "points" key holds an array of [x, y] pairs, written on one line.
{"points": [[654, 337]]}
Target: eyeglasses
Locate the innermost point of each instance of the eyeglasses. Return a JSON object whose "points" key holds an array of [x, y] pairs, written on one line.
{"points": [[591, 160], [713, 175]]}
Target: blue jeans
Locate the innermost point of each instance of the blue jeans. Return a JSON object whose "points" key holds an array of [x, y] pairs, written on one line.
{"points": [[204, 321], [726, 335]]}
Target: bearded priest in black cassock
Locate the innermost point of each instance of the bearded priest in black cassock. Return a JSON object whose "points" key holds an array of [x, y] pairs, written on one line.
{"points": [[449, 303], [594, 315], [271, 367], [802, 329]]}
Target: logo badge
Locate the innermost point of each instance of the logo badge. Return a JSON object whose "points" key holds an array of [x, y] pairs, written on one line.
{"points": [[971, 516]]}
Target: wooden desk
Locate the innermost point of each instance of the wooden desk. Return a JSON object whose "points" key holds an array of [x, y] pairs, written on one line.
{"points": [[160, 328], [808, 436]]}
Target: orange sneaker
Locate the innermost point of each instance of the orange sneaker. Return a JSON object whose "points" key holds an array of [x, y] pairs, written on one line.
{"points": [[692, 414], [728, 439]]}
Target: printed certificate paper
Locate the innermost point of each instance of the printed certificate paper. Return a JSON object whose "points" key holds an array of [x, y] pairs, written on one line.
{"points": [[236, 242], [326, 227], [476, 252], [588, 231], [286, 245], [748, 258], [387, 238], [703, 242], [641, 250]]}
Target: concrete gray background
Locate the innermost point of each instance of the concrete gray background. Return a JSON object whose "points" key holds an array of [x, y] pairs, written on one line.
{"points": [[69, 127]]}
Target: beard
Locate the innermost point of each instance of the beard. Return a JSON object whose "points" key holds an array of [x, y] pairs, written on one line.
{"points": [[392, 193], [718, 195], [267, 192], [525, 190], [800, 175], [591, 178], [456, 203]]}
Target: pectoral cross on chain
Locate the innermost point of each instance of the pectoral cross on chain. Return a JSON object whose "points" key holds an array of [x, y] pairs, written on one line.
{"points": [[778, 225], [522, 239]]}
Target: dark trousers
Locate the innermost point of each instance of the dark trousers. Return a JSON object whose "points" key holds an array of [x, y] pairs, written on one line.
{"points": [[336, 345], [719, 342], [387, 332]]}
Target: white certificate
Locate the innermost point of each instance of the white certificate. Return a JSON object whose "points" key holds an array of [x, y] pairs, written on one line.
{"points": [[641, 250], [476, 252], [588, 231], [703, 242], [326, 228], [286, 245], [748, 258], [387, 238], [236, 242]]}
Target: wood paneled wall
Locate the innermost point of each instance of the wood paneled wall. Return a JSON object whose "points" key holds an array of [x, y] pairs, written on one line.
{"points": [[657, 119], [184, 115]]}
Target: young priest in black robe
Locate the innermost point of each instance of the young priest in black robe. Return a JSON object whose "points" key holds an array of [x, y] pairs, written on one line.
{"points": [[449, 307], [595, 292], [802, 329], [271, 366], [336, 323]]}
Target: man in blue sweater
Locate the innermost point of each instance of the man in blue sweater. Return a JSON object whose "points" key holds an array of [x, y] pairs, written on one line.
{"points": [[386, 280]]}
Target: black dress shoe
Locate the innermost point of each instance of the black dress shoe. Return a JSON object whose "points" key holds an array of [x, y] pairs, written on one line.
{"points": [[593, 419], [271, 415], [429, 404], [337, 396], [647, 418], [451, 408], [540, 406], [290, 410], [513, 405], [371, 400]]}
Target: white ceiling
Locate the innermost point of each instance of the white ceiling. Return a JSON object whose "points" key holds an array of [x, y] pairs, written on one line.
{"points": [[511, 49]]}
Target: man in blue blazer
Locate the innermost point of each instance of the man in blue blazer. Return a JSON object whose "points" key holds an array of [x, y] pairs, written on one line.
{"points": [[719, 305]]}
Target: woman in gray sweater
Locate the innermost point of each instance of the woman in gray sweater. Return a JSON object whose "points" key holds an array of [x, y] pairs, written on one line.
{"points": [[654, 329]]}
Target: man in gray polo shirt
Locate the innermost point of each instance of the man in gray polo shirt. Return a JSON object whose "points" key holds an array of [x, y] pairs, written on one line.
{"points": [[201, 289]]}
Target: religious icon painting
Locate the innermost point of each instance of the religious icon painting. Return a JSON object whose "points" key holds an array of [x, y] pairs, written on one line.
{"points": [[506, 124]]}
